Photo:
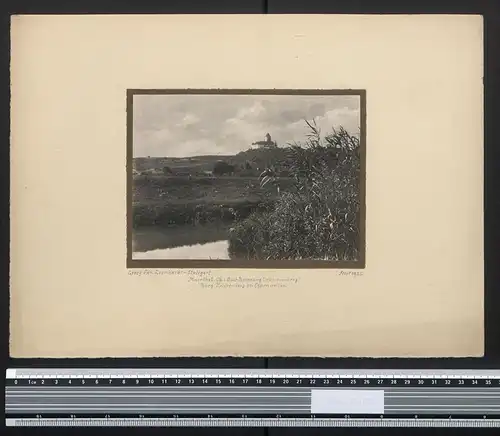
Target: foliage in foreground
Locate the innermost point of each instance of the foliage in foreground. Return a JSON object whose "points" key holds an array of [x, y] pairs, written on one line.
{"points": [[319, 217]]}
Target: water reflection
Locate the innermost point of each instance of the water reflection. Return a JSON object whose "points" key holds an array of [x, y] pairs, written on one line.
{"points": [[211, 250], [181, 242]]}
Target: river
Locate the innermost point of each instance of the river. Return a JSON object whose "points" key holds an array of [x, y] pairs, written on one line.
{"points": [[210, 250], [181, 242]]}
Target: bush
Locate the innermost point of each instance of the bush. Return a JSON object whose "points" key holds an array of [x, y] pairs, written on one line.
{"points": [[221, 168], [319, 217], [249, 237]]}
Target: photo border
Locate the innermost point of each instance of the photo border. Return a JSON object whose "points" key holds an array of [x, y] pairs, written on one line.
{"points": [[243, 263]]}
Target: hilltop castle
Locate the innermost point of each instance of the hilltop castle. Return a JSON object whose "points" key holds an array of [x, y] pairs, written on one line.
{"points": [[265, 144]]}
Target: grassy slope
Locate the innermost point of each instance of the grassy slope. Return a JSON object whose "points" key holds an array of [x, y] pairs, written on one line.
{"points": [[258, 158], [187, 164]]}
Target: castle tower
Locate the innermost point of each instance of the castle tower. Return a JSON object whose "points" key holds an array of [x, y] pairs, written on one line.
{"points": [[267, 143]]}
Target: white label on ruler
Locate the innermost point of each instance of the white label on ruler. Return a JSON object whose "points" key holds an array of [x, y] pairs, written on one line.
{"points": [[347, 401]]}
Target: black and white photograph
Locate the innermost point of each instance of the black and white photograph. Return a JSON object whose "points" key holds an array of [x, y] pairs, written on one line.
{"points": [[308, 193], [253, 177]]}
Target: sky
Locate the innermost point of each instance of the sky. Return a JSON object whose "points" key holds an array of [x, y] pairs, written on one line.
{"points": [[191, 125]]}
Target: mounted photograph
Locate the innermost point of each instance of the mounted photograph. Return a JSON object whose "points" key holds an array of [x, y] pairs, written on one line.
{"points": [[314, 193], [246, 178]]}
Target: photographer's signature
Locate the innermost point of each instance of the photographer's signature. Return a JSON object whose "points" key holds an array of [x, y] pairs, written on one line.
{"points": [[351, 273]]}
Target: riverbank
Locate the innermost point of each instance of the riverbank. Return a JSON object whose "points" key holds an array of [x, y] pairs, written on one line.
{"points": [[167, 201], [175, 212], [194, 213]]}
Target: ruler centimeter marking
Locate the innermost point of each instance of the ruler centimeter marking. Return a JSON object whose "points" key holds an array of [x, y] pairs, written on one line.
{"points": [[262, 422], [203, 397], [261, 373]]}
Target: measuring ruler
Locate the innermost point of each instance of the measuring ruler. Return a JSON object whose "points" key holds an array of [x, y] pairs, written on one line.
{"points": [[252, 398]]}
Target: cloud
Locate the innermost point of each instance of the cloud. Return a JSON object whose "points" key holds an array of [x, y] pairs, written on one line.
{"points": [[186, 125], [189, 120], [253, 112], [199, 146], [345, 117]]}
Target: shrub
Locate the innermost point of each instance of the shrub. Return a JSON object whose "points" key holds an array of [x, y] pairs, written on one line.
{"points": [[319, 217], [249, 237], [221, 168]]}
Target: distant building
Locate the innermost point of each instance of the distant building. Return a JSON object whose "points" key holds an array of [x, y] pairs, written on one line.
{"points": [[268, 143]]}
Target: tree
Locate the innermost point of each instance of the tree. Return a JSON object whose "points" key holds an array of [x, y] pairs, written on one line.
{"points": [[221, 168]]}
